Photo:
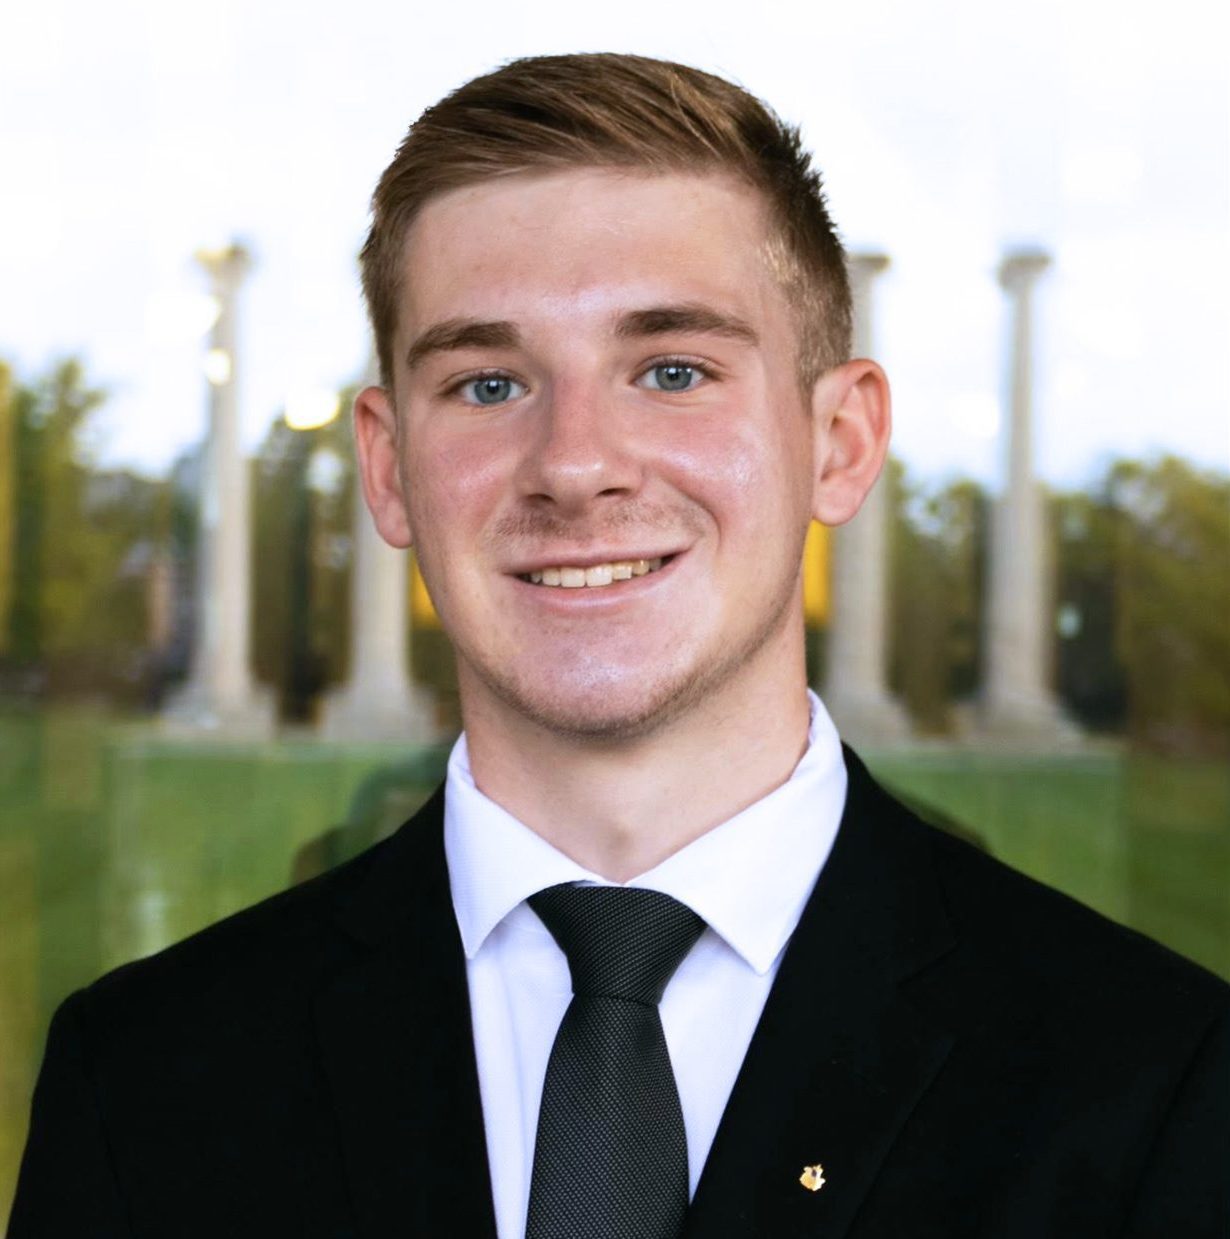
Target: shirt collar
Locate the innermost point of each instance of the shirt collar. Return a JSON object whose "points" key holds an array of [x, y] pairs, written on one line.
{"points": [[748, 877]]}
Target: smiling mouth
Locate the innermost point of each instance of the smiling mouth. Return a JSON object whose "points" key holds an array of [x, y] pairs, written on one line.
{"points": [[596, 576]]}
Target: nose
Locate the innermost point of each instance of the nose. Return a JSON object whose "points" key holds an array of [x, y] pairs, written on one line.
{"points": [[579, 453]]}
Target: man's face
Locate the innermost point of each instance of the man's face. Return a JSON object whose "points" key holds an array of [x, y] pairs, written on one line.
{"points": [[597, 373]]}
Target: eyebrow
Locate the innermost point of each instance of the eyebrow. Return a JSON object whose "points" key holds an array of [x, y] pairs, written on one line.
{"points": [[689, 317], [659, 320], [458, 333]]}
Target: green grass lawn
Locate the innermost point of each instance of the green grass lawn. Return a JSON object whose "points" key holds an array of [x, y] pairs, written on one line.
{"points": [[114, 843]]}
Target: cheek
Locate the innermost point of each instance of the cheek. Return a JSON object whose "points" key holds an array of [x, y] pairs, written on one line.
{"points": [[453, 482], [741, 470]]}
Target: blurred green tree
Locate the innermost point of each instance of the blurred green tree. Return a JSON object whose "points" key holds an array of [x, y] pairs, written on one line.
{"points": [[1091, 678], [1173, 617], [303, 500], [82, 544], [1143, 604], [937, 541]]}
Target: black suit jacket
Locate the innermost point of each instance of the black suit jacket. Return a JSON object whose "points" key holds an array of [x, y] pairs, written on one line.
{"points": [[964, 1051]]}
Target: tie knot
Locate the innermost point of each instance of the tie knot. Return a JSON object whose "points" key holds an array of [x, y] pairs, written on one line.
{"points": [[620, 942]]}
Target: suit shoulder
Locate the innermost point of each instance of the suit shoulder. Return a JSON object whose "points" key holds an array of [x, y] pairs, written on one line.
{"points": [[280, 946], [1023, 943], [1039, 935], [283, 931]]}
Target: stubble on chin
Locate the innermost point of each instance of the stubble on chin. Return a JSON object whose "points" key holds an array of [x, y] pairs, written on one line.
{"points": [[591, 716]]}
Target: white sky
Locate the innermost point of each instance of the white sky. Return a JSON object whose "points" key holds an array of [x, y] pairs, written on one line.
{"points": [[135, 131]]}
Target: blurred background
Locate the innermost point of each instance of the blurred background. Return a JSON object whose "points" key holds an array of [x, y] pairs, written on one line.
{"points": [[214, 681]]}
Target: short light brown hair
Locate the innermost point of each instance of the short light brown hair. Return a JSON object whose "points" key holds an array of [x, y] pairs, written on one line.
{"points": [[550, 113]]}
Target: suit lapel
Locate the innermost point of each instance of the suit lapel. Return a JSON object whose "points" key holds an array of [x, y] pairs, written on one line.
{"points": [[397, 1048], [840, 1056]]}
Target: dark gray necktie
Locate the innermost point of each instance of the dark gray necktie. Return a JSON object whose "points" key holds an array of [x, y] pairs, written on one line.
{"points": [[611, 1155]]}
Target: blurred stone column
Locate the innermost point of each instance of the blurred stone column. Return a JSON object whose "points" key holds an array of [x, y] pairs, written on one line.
{"points": [[378, 701], [220, 694], [855, 689], [1017, 702]]}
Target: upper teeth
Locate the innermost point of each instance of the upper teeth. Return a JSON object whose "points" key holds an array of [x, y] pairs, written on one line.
{"points": [[599, 574]]}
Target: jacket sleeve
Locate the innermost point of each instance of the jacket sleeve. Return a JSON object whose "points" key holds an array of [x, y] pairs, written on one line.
{"points": [[66, 1186], [1184, 1188]]}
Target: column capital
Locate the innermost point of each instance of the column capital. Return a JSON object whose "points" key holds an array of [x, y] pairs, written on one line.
{"points": [[863, 264], [226, 265], [1020, 267]]}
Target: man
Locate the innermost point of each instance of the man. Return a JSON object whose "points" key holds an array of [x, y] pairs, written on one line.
{"points": [[660, 959]]}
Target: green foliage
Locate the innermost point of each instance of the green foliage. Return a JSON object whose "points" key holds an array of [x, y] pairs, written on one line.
{"points": [[1090, 675], [1144, 579], [82, 541], [302, 520], [1173, 623], [937, 543]]}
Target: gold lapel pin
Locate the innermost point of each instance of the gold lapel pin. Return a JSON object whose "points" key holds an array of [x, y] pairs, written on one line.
{"points": [[812, 1178]]}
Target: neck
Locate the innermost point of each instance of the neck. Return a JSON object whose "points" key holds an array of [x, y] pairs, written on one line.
{"points": [[619, 808]]}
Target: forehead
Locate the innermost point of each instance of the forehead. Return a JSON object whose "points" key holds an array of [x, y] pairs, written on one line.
{"points": [[588, 243]]}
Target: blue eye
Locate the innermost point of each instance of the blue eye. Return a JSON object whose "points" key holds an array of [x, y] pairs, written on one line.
{"points": [[672, 376], [492, 389]]}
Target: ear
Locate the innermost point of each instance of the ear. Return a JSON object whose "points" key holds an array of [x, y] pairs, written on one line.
{"points": [[378, 449], [852, 412]]}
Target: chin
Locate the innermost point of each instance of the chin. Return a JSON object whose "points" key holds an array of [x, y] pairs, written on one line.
{"points": [[597, 703]]}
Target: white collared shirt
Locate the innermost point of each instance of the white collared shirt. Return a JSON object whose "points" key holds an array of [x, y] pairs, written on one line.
{"points": [[748, 878]]}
